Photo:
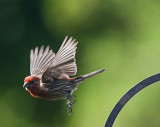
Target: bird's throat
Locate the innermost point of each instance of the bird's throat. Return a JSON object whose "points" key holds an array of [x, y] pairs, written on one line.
{"points": [[34, 92]]}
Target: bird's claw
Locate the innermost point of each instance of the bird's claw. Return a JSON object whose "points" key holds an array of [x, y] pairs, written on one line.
{"points": [[74, 96], [69, 103], [69, 110]]}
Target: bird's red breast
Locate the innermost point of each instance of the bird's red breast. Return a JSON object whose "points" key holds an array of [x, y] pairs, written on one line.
{"points": [[33, 93], [38, 93]]}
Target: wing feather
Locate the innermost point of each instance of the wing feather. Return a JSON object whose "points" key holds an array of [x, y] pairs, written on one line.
{"points": [[38, 57], [40, 60], [64, 61]]}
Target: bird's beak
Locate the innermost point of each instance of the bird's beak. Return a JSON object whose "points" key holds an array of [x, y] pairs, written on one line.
{"points": [[26, 85]]}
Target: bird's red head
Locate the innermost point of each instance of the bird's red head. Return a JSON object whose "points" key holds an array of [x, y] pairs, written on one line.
{"points": [[31, 82]]}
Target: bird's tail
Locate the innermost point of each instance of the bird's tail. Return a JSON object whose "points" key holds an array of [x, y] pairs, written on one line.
{"points": [[83, 77]]}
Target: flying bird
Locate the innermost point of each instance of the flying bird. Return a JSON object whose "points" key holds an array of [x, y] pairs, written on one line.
{"points": [[49, 73]]}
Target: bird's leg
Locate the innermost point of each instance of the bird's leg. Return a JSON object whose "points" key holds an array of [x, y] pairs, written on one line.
{"points": [[69, 103]]}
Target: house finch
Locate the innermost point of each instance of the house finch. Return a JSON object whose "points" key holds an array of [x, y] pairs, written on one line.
{"points": [[50, 73]]}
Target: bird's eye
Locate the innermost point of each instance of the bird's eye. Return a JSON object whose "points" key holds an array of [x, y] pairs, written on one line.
{"points": [[32, 82]]}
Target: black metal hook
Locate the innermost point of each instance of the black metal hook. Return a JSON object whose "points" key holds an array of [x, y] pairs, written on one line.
{"points": [[143, 84]]}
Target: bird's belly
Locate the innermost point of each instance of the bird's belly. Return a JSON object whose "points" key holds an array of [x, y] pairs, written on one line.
{"points": [[60, 90]]}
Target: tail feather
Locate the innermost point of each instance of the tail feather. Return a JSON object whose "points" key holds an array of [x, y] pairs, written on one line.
{"points": [[83, 77], [93, 73]]}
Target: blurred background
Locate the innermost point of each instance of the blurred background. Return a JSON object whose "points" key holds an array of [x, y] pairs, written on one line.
{"points": [[119, 35]]}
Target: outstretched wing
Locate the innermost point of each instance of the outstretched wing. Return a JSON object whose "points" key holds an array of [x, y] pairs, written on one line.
{"points": [[40, 60], [63, 64]]}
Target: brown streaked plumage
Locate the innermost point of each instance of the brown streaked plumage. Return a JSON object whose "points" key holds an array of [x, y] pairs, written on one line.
{"points": [[50, 73]]}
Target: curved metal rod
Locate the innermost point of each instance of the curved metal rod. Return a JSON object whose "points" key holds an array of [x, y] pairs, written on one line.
{"points": [[146, 82]]}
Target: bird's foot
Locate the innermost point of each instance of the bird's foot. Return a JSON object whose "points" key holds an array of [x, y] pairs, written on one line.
{"points": [[69, 103]]}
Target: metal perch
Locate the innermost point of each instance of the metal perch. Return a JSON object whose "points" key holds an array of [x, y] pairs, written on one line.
{"points": [[143, 84]]}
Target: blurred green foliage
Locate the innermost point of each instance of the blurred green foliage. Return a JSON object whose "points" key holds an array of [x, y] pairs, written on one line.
{"points": [[121, 36]]}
